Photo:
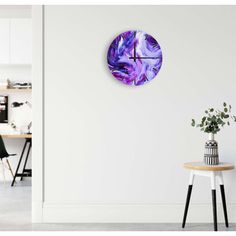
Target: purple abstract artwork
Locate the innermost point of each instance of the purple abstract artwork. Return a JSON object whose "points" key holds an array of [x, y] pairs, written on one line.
{"points": [[134, 57]]}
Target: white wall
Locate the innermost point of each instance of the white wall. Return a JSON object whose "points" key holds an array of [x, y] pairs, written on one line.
{"points": [[115, 153]]}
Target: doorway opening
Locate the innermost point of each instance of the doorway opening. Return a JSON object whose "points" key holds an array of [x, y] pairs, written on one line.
{"points": [[15, 115]]}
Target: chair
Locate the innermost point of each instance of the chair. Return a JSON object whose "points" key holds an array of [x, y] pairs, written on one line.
{"points": [[5, 154]]}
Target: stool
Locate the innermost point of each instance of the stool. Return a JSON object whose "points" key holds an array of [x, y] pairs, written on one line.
{"points": [[213, 172]]}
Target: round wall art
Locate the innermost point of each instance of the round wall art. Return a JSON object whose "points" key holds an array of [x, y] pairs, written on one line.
{"points": [[134, 57]]}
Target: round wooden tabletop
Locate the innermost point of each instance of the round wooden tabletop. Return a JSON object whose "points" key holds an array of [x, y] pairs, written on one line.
{"points": [[202, 166]]}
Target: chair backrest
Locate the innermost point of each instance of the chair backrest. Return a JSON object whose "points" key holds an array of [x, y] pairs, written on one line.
{"points": [[3, 151]]}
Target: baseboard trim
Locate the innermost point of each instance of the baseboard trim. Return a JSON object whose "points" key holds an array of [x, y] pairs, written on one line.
{"points": [[37, 212], [133, 213]]}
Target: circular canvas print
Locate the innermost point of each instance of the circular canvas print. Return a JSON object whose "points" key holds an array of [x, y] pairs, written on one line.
{"points": [[134, 57]]}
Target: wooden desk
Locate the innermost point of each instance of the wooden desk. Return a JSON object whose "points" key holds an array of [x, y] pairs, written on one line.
{"points": [[16, 135], [28, 140]]}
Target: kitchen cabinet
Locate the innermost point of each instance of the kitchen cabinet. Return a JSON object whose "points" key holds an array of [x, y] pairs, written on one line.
{"points": [[4, 41], [20, 41], [16, 41]]}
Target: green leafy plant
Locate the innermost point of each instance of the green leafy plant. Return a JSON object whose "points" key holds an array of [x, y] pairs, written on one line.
{"points": [[214, 119]]}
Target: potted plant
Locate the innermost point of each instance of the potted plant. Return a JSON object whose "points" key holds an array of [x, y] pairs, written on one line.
{"points": [[212, 122]]}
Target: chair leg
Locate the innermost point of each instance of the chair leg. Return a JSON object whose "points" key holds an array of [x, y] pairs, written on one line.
{"points": [[3, 172], [9, 166]]}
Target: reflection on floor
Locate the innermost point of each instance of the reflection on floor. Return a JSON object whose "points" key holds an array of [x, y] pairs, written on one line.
{"points": [[15, 215]]}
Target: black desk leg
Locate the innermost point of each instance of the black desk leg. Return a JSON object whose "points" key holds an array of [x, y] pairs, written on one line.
{"points": [[222, 190], [187, 204], [26, 159], [18, 166], [214, 208]]}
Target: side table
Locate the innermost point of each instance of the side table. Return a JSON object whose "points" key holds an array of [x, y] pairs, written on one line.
{"points": [[213, 172]]}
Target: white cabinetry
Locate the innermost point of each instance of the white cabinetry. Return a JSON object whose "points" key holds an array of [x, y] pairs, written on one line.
{"points": [[4, 41], [20, 41], [15, 41]]}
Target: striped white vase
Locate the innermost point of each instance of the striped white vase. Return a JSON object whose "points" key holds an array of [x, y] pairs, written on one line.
{"points": [[211, 156]]}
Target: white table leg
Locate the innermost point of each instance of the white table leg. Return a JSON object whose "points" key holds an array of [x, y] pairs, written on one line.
{"points": [[220, 178], [191, 178], [213, 180]]}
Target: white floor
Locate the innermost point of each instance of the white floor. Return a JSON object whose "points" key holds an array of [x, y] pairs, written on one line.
{"points": [[15, 215], [15, 205]]}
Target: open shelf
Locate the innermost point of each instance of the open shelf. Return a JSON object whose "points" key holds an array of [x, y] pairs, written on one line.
{"points": [[15, 90]]}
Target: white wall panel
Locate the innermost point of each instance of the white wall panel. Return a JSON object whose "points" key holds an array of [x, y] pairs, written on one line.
{"points": [[109, 144]]}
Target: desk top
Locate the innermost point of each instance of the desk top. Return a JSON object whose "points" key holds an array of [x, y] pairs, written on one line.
{"points": [[202, 166], [16, 135]]}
